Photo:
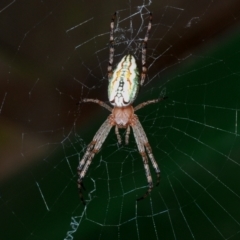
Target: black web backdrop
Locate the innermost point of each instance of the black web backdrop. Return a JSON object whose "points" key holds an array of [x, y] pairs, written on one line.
{"points": [[55, 53]]}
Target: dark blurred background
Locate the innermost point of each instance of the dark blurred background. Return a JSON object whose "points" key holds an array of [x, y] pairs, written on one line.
{"points": [[53, 54]]}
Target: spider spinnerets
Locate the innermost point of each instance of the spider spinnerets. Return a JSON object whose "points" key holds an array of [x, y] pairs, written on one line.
{"points": [[122, 91]]}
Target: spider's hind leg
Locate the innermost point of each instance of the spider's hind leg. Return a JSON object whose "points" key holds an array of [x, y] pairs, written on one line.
{"points": [[111, 46], [144, 51]]}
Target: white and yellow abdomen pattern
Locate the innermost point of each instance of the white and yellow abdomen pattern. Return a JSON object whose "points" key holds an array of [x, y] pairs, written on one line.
{"points": [[124, 84]]}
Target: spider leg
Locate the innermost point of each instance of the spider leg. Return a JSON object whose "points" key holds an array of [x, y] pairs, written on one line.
{"points": [[138, 137], [86, 155], [141, 105], [101, 103], [127, 135], [118, 135], [142, 143], [144, 51], [111, 46], [148, 175], [149, 149], [92, 149], [153, 161]]}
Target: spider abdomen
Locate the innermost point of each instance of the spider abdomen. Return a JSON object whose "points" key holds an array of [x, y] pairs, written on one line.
{"points": [[124, 82]]}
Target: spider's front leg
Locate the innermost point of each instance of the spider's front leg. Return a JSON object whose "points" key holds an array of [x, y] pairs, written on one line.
{"points": [[148, 174], [142, 143], [92, 149], [83, 166]]}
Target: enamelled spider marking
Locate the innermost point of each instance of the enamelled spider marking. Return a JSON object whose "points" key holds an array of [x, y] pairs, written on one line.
{"points": [[122, 90]]}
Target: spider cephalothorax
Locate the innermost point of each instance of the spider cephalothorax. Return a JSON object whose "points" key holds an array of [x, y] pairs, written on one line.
{"points": [[122, 91]]}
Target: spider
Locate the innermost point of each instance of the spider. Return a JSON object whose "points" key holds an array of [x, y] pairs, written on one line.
{"points": [[122, 90]]}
